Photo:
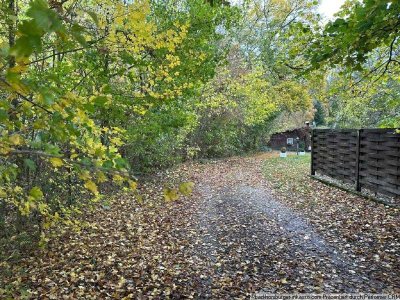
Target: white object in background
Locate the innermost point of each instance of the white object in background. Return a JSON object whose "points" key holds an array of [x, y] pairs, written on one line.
{"points": [[283, 154]]}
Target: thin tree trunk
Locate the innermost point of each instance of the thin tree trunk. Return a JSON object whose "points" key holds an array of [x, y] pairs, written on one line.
{"points": [[11, 31]]}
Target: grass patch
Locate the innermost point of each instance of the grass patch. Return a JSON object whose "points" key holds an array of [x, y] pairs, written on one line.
{"points": [[289, 176], [292, 169]]}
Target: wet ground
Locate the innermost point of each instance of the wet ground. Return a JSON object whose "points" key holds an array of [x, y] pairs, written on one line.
{"points": [[235, 236], [260, 242]]}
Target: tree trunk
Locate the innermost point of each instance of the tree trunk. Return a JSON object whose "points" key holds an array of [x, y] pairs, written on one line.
{"points": [[11, 30]]}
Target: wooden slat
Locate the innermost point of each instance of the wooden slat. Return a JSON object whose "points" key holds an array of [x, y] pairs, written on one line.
{"points": [[380, 172], [382, 179], [381, 189]]}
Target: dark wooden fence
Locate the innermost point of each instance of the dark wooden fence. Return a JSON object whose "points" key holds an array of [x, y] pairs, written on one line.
{"points": [[367, 158]]}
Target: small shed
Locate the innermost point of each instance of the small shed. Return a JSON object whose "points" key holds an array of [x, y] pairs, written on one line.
{"points": [[288, 139]]}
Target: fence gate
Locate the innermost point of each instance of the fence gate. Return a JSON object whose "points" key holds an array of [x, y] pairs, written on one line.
{"points": [[367, 158]]}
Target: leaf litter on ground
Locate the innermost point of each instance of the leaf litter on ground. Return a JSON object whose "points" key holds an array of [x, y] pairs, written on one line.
{"points": [[252, 223]]}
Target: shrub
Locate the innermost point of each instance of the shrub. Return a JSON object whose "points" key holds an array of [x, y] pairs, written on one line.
{"points": [[302, 146]]}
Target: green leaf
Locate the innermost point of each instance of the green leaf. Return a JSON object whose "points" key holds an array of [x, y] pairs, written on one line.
{"points": [[76, 32], [3, 115], [30, 28], [25, 45], [52, 149], [120, 163], [100, 100], [40, 12], [93, 16], [36, 193], [30, 164]]}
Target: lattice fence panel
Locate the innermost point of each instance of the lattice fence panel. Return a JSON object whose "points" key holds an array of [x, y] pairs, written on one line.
{"points": [[368, 158], [380, 161], [334, 153]]}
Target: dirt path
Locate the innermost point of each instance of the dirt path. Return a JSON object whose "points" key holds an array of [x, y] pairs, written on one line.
{"points": [[234, 236], [258, 242]]}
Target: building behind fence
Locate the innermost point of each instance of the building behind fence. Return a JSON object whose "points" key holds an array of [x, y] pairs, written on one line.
{"points": [[367, 158], [288, 138]]}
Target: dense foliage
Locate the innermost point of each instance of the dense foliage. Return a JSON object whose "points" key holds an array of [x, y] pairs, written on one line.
{"points": [[360, 52], [94, 92], [89, 90]]}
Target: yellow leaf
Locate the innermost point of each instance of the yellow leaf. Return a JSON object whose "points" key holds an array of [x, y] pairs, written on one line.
{"points": [[3, 193], [139, 199], [74, 277], [43, 208], [118, 179], [18, 189], [186, 188], [39, 124], [84, 175], [18, 69], [101, 177], [121, 282], [133, 185], [43, 239], [25, 208], [15, 139], [56, 162], [4, 150], [171, 194], [91, 186]]}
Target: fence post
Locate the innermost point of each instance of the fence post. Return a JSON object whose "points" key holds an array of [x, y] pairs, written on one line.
{"points": [[312, 152], [357, 175]]}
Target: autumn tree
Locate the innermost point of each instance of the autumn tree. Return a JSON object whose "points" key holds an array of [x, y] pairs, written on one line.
{"points": [[359, 50], [77, 80]]}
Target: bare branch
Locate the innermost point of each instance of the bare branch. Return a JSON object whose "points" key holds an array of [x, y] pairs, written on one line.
{"points": [[27, 99], [65, 52]]}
